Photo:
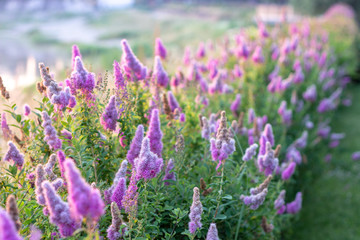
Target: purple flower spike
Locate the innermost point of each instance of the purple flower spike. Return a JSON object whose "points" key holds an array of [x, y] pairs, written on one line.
{"points": [[235, 105], [160, 49], [129, 201], [187, 56], [75, 53], [250, 152], [251, 116], [159, 76], [113, 232], [200, 53], [355, 156], [310, 94], [268, 132], [110, 115], [118, 76], [155, 134], [119, 192], [59, 211], [14, 154], [255, 200], [135, 146], [50, 133], [81, 78], [27, 110], [84, 200], [173, 103], [258, 56], [182, 117], [7, 227], [169, 174], [212, 232], [289, 171], [295, 206], [299, 76], [279, 203], [195, 212], [5, 127], [121, 173], [268, 163], [133, 68], [148, 164]]}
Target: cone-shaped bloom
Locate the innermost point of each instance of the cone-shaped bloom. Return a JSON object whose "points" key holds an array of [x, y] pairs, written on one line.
{"points": [[14, 154], [135, 146], [81, 78], [116, 222], [250, 152], [148, 164], [110, 115], [155, 134], [27, 110], [295, 206], [310, 93], [7, 227], [84, 201], [118, 76], [251, 116], [289, 171], [212, 232], [255, 200], [279, 203], [326, 105], [40, 178], [268, 163], [50, 133], [129, 201], [63, 99], [237, 71], [173, 103], [160, 49], [61, 159], [5, 127], [169, 174], [11, 208], [299, 76], [75, 53], [268, 132], [133, 68], [49, 167], [301, 142], [200, 53], [187, 56], [293, 155], [159, 75], [195, 212], [121, 173], [355, 156], [119, 192], [59, 211], [236, 104], [258, 56]]}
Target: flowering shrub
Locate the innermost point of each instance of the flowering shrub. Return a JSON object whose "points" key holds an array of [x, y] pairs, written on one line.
{"points": [[133, 156]]}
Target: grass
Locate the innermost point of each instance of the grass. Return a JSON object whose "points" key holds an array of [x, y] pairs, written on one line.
{"points": [[331, 205]]}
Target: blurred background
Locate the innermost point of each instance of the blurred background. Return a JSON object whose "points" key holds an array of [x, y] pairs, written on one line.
{"points": [[33, 31]]}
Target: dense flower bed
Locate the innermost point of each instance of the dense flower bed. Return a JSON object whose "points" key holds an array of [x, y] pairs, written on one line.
{"points": [[208, 151]]}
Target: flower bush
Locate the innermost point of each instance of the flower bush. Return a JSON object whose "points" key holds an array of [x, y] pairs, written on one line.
{"points": [[218, 149]]}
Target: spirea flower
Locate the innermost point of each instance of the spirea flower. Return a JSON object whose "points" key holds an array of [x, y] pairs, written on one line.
{"points": [[121, 173], [268, 163], [159, 76], [61, 160], [116, 223], [298, 76], [279, 203], [250, 152], [200, 53], [135, 146], [5, 127], [169, 173], [81, 79], [289, 171], [258, 56], [14, 154], [40, 178], [212, 232], [133, 68], [120, 83], [301, 142], [326, 105], [255, 200], [130, 199], [295, 206], [187, 56], [160, 49], [50, 133], [310, 93], [205, 128], [268, 133], [235, 105], [195, 212], [7, 227], [224, 144], [110, 115], [75, 53], [49, 167], [155, 134], [173, 103], [148, 164], [355, 156], [52, 87], [59, 211], [119, 192], [13, 211], [251, 116], [36, 234], [293, 155], [27, 110], [84, 201]]}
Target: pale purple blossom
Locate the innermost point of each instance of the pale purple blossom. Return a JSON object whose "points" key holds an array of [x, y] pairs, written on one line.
{"points": [[200, 53], [258, 56], [5, 127], [50, 133], [133, 68], [160, 49], [7, 227], [250, 152], [279, 203], [81, 79], [212, 233], [121, 173], [75, 53], [196, 210], [155, 134], [310, 93], [236, 104], [355, 156], [173, 103], [14, 154], [113, 232], [169, 172], [110, 115], [27, 110], [159, 76], [119, 192], [255, 200], [289, 171], [267, 163], [120, 83], [295, 206]]}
